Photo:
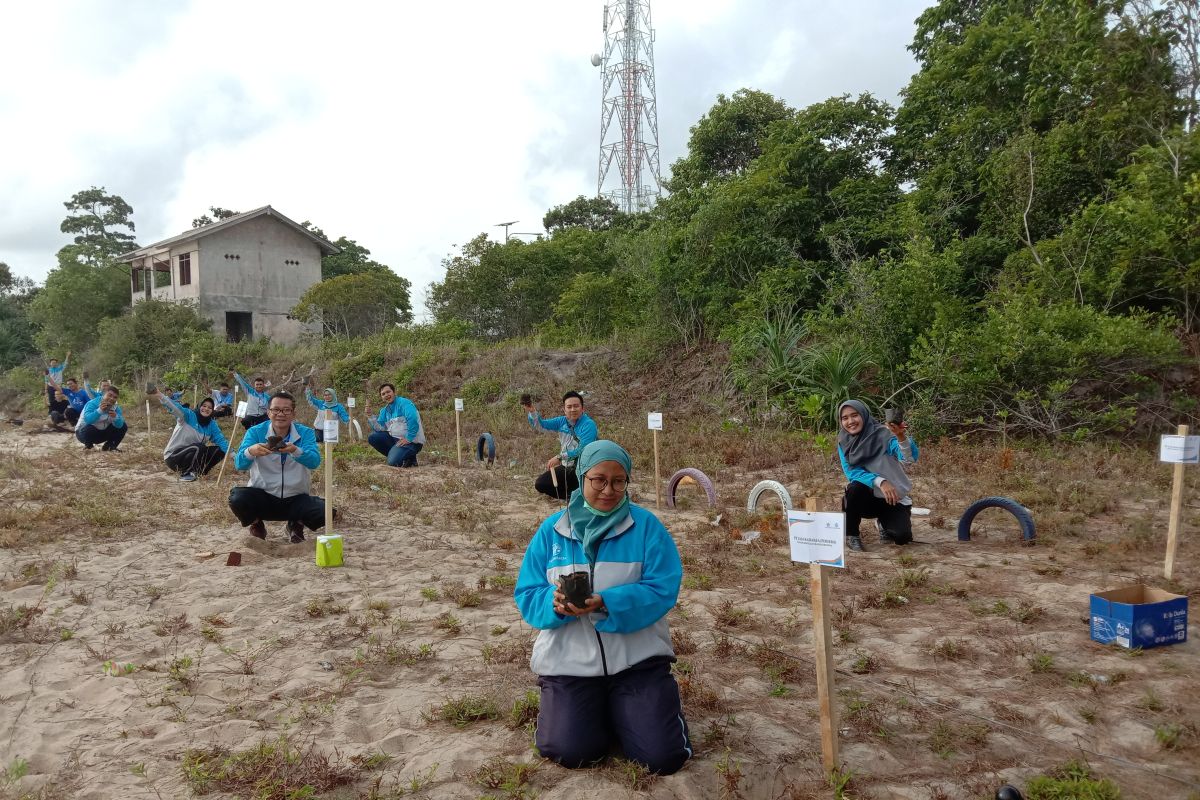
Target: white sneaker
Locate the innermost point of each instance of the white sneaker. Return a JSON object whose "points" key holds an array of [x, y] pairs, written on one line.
{"points": [[188, 476]]}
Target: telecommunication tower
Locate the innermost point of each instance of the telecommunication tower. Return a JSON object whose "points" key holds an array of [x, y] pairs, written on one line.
{"points": [[628, 108]]}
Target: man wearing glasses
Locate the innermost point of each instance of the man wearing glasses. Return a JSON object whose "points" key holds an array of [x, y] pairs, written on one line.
{"points": [[279, 454]]}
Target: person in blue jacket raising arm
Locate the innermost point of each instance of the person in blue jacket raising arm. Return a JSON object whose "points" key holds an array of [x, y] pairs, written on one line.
{"points": [[873, 456], [604, 663], [278, 454], [397, 432], [76, 399], [257, 400], [575, 430], [101, 422], [196, 444], [327, 407]]}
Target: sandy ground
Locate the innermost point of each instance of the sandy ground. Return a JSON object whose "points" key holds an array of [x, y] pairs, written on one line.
{"points": [[960, 665]]}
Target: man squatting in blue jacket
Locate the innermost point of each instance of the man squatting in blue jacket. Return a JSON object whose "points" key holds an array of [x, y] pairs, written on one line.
{"points": [[196, 444], [257, 400], [101, 422], [575, 430], [397, 431], [280, 485]]}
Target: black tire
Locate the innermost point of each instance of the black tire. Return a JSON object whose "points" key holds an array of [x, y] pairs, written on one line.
{"points": [[1019, 511], [696, 475], [776, 488], [486, 444]]}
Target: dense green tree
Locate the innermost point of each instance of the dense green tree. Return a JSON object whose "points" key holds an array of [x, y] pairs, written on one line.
{"points": [[151, 335], [358, 304], [16, 329], [102, 224], [88, 284], [592, 213], [728, 138], [351, 258]]}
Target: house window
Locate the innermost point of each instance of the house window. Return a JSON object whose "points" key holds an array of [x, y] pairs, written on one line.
{"points": [[185, 269]]}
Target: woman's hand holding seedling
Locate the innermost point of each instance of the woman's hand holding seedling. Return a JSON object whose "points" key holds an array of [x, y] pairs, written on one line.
{"points": [[561, 606]]}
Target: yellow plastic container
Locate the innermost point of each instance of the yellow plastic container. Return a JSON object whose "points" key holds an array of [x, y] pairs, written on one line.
{"points": [[329, 550]]}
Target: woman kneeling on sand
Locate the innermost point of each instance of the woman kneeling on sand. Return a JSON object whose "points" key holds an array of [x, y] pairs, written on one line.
{"points": [[604, 661], [873, 457]]}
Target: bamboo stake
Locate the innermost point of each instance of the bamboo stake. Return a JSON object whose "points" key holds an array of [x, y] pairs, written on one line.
{"points": [[822, 636], [1176, 508], [657, 479], [328, 484], [221, 473]]}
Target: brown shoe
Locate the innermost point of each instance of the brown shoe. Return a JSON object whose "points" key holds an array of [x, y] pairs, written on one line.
{"points": [[295, 529], [258, 530]]}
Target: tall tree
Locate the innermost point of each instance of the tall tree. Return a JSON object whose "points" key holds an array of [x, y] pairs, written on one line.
{"points": [[16, 329], [592, 213], [351, 258], [102, 224], [88, 284], [727, 138], [358, 304]]}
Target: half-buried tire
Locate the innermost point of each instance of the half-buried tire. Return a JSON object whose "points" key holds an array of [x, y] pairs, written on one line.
{"points": [[1008, 504], [485, 449], [697, 476], [774, 487]]}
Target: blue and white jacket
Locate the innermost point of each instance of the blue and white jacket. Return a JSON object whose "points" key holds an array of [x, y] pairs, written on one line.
{"points": [[78, 398], [222, 399], [906, 453], [571, 438], [280, 474], [324, 409], [91, 415], [256, 402], [637, 573], [189, 430], [400, 419]]}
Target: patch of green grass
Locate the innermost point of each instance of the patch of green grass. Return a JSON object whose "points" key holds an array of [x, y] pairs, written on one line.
{"points": [[524, 711], [430, 593], [1040, 663], [1168, 735], [449, 623], [276, 769], [462, 711], [700, 581], [1072, 781]]}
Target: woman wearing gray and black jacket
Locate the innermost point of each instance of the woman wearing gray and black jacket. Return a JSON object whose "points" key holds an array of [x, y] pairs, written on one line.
{"points": [[873, 456]]}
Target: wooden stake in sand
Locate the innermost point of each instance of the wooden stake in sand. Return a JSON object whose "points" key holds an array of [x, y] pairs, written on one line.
{"points": [[350, 414], [820, 540], [148, 422], [241, 412], [1179, 449], [654, 423], [458, 408], [331, 438]]}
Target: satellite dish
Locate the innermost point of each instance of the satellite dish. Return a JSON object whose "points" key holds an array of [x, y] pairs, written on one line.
{"points": [[596, 59]]}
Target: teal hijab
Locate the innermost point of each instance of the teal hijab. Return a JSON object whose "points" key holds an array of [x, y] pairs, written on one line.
{"points": [[589, 525], [328, 404]]}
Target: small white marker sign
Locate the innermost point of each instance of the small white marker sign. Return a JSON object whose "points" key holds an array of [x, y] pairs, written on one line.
{"points": [[331, 431], [458, 404], [1179, 449], [654, 421], [350, 402], [241, 409], [817, 537]]}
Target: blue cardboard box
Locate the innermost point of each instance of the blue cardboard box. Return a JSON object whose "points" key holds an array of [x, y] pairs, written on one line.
{"points": [[1139, 616]]}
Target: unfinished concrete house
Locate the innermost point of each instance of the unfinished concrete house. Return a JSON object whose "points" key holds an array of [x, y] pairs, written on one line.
{"points": [[245, 273]]}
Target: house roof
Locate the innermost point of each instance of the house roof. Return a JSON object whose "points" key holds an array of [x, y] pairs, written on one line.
{"points": [[236, 219]]}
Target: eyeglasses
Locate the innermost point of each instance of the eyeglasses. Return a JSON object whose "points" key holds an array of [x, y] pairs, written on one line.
{"points": [[281, 411], [600, 484]]}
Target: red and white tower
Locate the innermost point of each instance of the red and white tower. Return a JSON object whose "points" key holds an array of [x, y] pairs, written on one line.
{"points": [[629, 108]]}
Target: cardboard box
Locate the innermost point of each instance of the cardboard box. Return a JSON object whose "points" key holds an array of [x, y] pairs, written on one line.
{"points": [[1139, 616]]}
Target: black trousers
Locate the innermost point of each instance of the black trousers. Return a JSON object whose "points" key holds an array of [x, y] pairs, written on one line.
{"points": [[110, 437], [568, 482], [639, 708], [196, 458], [249, 504], [859, 502], [250, 422], [223, 411], [72, 415]]}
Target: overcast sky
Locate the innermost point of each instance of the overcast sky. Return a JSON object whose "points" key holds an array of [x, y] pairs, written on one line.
{"points": [[409, 127]]}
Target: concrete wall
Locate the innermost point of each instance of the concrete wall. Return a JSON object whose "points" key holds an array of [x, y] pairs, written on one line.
{"points": [[247, 268]]}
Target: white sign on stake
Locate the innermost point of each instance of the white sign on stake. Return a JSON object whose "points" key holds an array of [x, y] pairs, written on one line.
{"points": [[241, 409], [350, 402], [654, 421], [458, 404], [817, 537], [1179, 449], [331, 431]]}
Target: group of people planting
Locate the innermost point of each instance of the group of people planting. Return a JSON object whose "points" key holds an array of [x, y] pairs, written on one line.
{"points": [[598, 577]]}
